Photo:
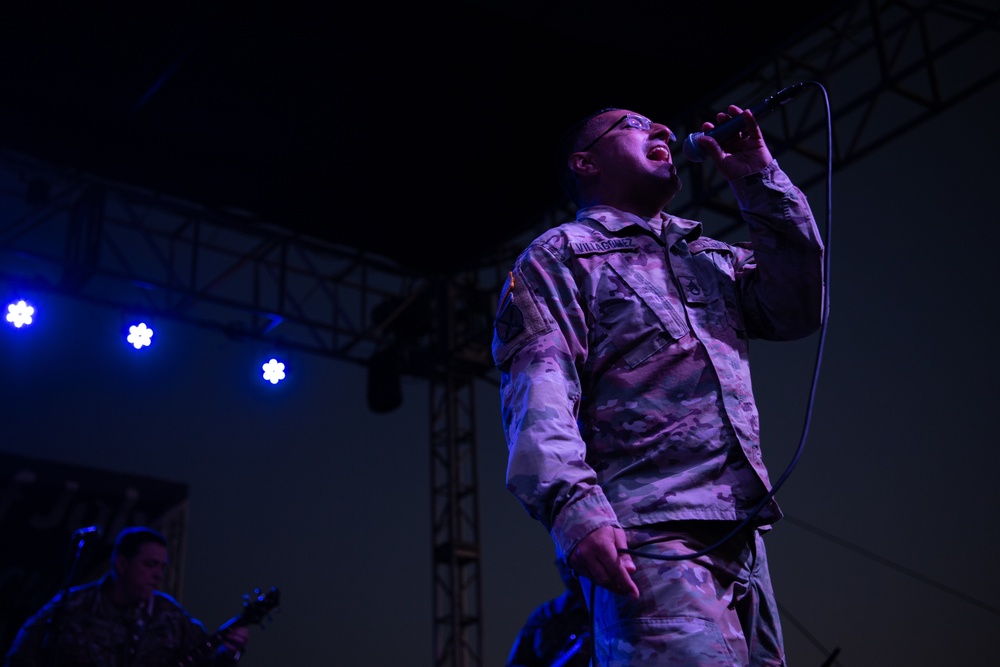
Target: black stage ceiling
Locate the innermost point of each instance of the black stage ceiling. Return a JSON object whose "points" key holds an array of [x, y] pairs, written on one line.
{"points": [[418, 132]]}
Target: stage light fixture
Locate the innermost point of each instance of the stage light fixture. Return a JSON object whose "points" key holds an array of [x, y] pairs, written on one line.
{"points": [[20, 314], [274, 371], [140, 335]]}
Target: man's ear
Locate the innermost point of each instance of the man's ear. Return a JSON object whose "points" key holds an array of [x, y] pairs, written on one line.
{"points": [[582, 164]]}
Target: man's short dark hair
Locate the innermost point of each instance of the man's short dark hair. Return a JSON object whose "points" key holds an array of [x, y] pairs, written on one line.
{"points": [[570, 142], [129, 540]]}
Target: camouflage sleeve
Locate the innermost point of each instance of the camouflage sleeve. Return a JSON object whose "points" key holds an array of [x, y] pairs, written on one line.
{"points": [[540, 340], [782, 284]]}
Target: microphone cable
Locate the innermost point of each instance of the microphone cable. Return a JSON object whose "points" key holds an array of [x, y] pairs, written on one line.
{"points": [[825, 316]]}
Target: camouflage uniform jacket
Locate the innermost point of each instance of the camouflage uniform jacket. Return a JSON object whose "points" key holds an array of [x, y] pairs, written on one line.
{"points": [[95, 632], [622, 344]]}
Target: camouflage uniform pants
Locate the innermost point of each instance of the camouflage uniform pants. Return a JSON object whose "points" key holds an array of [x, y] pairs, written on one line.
{"points": [[715, 610]]}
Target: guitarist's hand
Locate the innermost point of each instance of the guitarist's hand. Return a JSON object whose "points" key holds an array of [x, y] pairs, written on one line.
{"points": [[236, 638]]}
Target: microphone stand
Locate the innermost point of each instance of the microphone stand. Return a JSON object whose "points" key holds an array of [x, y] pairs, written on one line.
{"points": [[51, 641]]}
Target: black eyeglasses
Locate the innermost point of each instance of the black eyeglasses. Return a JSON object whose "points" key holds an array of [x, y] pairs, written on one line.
{"points": [[631, 120]]}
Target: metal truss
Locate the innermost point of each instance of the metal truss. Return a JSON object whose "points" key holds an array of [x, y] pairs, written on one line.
{"points": [[457, 597], [77, 235], [462, 331], [885, 67]]}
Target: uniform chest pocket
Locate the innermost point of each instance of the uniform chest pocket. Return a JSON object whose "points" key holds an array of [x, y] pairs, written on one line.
{"points": [[633, 313], [714, 289]]}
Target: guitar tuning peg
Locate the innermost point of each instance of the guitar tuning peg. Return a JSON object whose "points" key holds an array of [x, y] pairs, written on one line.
{"points": [[257, 595]]}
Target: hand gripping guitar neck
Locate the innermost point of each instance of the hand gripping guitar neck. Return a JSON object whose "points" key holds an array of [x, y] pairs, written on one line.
{"points": [[255, 612]]}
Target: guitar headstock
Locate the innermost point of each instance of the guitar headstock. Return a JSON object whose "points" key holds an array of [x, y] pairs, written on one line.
{"points": [[257, 606]]}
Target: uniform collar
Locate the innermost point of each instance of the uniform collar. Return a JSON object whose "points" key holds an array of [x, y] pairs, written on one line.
{"points": [[668, 228]]}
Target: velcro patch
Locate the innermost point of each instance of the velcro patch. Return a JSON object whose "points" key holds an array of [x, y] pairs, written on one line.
{"points": [[510, 320]]}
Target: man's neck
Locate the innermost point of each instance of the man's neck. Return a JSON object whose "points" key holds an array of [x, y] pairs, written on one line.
{"points": [[121, 598], [649, 208]]}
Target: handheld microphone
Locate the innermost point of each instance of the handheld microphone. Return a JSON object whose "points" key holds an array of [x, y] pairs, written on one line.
{"points": [[732, 127], [87, 533]]}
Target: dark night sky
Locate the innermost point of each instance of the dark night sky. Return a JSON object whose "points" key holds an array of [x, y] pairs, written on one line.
{"points": [[301, 486]]}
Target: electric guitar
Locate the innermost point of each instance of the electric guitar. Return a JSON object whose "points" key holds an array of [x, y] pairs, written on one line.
{"points": [[573, 647], [255, 612]]}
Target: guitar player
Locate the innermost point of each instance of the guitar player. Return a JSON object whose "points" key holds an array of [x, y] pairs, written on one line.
{"points": [[123, 620]]}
